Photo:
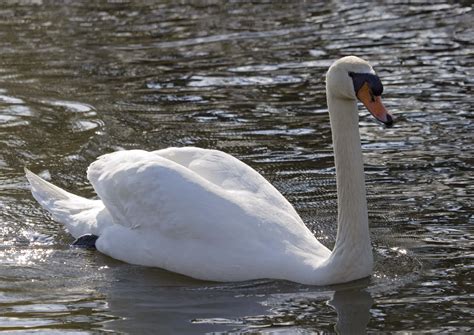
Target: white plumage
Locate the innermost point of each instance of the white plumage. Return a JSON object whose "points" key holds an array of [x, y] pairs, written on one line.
{"points": [[206, 214]]}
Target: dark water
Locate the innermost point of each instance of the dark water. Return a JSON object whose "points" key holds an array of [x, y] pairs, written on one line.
{"points": [[81, 79]]}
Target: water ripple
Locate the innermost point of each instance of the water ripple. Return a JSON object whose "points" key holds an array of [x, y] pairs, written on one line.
{"points": [[82, 79], [202, 81]]}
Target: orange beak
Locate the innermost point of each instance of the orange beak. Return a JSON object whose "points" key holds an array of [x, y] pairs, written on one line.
{"points": [[374, 105]]}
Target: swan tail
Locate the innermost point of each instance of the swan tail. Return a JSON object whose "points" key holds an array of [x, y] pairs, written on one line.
{"points": [[79, 215]]}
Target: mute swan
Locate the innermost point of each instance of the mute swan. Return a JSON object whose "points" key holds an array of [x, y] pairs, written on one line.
{"points": [[207, 215]]}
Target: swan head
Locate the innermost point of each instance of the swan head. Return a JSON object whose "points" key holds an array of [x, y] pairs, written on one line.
{"points": [[352, 78]]}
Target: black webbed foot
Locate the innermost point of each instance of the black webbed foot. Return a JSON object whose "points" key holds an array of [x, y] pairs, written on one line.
{"points": [[86, 241]]}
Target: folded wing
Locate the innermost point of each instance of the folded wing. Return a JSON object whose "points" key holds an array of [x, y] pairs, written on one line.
{"points": [[189, 192]]}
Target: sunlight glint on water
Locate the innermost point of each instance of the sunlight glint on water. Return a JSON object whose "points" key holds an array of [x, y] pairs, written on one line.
{"points": [[81, 79]]}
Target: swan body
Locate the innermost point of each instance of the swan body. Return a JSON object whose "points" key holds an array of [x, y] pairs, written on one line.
{"points": [[205, 214]]}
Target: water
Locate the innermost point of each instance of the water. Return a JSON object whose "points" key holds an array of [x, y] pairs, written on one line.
{"points": [[81, 79]]}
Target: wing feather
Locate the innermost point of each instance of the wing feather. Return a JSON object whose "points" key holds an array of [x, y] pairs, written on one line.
{"points": [[190, 193], [227, 172]]}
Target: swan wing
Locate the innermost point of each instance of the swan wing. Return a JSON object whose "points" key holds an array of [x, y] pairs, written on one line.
{"points": [[145, 190], [229, 173], [141, 189]]}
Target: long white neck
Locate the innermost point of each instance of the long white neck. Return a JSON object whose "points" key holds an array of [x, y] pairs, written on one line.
{"points": [[352, 246]]}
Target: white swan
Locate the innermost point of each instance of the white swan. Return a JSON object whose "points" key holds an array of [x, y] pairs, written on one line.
{"points": [[207, 215]]}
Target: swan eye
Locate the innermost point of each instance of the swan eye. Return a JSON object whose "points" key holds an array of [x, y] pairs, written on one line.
{"points": [[372, 96]]}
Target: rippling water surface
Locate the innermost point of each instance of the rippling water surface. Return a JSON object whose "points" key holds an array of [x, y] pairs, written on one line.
{"points": [[81, 79]]}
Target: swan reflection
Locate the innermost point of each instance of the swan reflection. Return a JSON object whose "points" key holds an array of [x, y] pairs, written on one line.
{"points": [[353, 310], [163, 302]]}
